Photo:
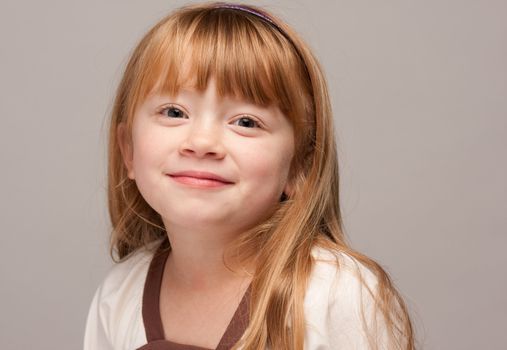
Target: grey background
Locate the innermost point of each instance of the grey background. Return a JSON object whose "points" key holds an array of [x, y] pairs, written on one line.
{"points": [[419, 95]]}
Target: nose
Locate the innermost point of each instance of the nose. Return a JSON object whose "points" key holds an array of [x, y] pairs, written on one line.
{"points": [[203, 140]]}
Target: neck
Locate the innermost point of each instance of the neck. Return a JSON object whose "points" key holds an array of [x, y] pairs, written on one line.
{"points": [[197, 261]]}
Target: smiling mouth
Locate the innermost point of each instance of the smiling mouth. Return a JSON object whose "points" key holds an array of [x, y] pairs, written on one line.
{"points": [[199, 179]]}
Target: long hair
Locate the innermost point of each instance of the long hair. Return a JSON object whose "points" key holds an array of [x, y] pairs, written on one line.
{"points": [[263, 61]]}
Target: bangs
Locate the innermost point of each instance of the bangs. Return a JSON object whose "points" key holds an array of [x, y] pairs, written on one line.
{"points": [[248, 57]]}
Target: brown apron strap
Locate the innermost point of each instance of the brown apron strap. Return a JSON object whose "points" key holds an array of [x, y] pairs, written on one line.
{"points": [[151, 294], [151, 310], [238, 324], [167, 345]]}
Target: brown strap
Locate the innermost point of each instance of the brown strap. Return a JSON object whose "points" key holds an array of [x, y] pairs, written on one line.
{"points": [[153, 321], [238, 324], [151, 295], [167, 345]]}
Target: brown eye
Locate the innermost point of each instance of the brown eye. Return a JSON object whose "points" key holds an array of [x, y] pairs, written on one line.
{"points": [[173, 112], [247, 122]]}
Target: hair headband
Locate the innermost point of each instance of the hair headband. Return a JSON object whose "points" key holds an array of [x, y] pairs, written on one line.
{"points": [[249, 10], [258, 14], [265, 18]]}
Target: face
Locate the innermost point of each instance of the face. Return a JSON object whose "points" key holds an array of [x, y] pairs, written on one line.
{"points": [[208, 163]]}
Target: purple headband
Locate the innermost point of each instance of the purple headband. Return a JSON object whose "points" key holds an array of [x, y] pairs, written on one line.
{"points": [[264, 17], [255, 13], [246, 9]]}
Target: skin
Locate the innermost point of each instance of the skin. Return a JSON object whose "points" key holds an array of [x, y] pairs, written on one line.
{"points": [[251, 147], [199, 131]]}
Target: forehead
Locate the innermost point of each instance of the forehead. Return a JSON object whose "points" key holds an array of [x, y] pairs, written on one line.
{"points": [[188, 94], [247, 59], [189, 77]]}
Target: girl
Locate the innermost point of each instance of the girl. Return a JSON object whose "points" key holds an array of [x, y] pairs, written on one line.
{"points": [[223, 196]]}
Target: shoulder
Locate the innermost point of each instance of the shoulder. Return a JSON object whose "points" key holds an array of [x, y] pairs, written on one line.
{"points": [[341, 277], [115, 315], [339, 301], [127, 273]]}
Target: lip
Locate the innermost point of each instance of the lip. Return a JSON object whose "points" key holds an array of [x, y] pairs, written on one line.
{"points": [[199, 179]]}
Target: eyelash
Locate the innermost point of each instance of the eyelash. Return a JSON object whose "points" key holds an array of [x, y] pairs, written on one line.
{"points": [[167, 108], [257, 123]]}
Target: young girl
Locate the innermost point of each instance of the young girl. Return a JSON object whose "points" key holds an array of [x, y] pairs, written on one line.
{"points": [[223, 196]]}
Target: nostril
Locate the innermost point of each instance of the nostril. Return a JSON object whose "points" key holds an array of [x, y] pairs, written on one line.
{"points": [[202, 153], [203, 143]]}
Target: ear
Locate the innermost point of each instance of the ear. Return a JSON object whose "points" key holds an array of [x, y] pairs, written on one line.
{"points": [[126, 149], [287, 190]]}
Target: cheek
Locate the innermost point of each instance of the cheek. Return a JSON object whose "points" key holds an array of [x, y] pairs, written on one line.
{"points": [[148, 160], [150, 143], [144, 154], [269, 167]]}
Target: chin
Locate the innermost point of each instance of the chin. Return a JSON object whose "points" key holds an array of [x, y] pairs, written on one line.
{"points": [[197, 220]]}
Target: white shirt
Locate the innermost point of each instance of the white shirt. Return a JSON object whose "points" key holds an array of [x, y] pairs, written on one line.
{"points": [[332, 305]]}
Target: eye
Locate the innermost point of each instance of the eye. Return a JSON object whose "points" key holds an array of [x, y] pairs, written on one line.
{"points": [[173, 112], [247, 122]]}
